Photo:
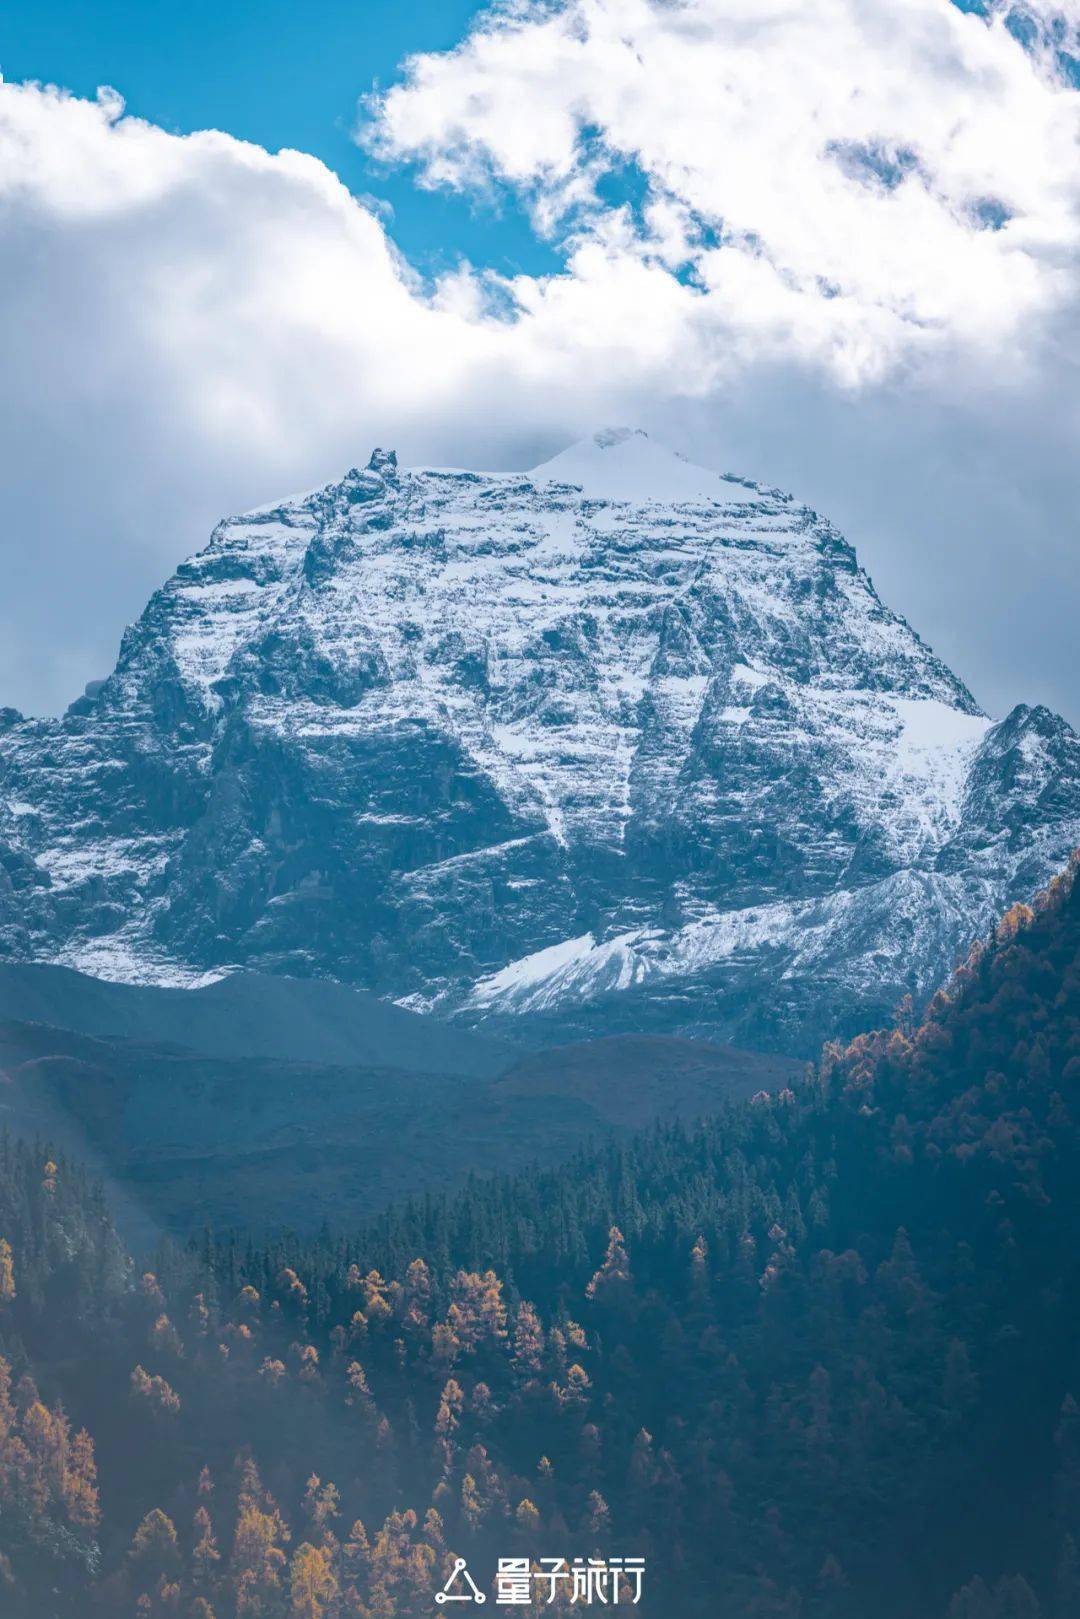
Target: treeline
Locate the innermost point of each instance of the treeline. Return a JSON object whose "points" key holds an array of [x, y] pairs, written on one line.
{"points": [[815, 1358]]}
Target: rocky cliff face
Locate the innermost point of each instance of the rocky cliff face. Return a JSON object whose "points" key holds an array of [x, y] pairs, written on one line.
{"points": [[614, 744]]}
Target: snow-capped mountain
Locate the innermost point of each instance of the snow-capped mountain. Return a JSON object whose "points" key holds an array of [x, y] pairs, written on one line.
{"points": [[615, 743]]}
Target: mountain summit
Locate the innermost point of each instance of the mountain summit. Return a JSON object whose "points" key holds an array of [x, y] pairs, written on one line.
{"points": [[616, 743], [624, 464]]}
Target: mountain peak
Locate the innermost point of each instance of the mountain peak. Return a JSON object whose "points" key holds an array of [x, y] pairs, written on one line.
{"points": [[625, 744], [625, 464]]}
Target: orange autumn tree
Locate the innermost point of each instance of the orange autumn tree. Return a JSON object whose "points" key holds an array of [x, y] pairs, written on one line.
{"points": [[45, 1471], [313, 1585], [7, 1272]]}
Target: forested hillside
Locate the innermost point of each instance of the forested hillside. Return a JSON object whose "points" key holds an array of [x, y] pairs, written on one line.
{"points": [[814, 1358]]}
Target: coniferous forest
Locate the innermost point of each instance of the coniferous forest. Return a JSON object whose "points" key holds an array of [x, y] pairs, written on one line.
{"points": [[815, 1357]]}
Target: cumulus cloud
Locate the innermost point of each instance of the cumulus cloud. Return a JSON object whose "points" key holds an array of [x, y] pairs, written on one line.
{"points": [[851, 183], [819, 244], [187, 324]]}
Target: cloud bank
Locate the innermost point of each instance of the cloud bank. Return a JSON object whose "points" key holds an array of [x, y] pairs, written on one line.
{"points": [[826, 244], [853, 184]]}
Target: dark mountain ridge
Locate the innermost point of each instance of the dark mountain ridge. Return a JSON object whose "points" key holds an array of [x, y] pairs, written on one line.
{"points": [[273, 1102], [249, 1015]]}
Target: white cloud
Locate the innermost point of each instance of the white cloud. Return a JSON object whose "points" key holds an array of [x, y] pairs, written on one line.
{"points": [[854, 183], [187, 325], [190, 325]]}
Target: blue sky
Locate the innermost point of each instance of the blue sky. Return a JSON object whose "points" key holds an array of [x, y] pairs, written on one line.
{"points": [[280, 74]]}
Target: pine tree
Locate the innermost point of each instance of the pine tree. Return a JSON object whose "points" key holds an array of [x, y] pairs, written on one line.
{"points": [[313, 1584], [7, 1272]]}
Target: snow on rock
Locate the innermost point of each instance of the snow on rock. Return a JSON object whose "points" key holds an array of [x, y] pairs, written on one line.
{"points": [[624, 464], [617, 743]]}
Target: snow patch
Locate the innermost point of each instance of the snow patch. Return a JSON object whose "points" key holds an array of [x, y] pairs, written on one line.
{"points": [[534, 969], [125, 960], [745, 676], [931, 724], [625, 465], [935, 748]]}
